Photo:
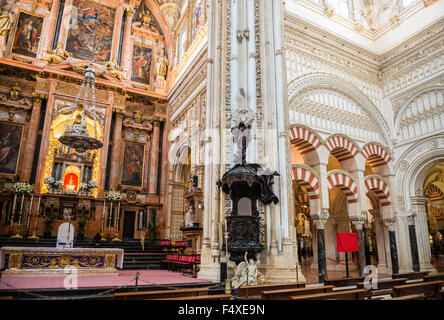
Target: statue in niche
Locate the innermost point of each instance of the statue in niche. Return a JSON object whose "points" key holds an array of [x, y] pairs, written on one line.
{"points": [[115, 70], [6, 20], [189, 216], [56, 56], [161, 64], [246, 273]]}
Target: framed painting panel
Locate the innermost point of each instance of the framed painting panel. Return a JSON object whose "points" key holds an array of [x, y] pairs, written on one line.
{"points": [[10, 144], [80, 40], [27, 34], [133, 159], [141, 64]]}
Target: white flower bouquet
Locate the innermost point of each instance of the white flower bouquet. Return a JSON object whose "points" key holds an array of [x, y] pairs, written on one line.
{"points": [[113, 195], [70, 192], [21, 188], [49, 180], [84, 186], [58, 184], [92, 184]]}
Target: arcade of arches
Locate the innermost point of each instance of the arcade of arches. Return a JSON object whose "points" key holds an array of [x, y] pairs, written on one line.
{"points": [[345, 102]]}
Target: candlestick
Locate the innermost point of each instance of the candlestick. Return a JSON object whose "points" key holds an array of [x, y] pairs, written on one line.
{"points": [[103, 220], [13, 210], [109, 219], [116, 238], [34, 235], [28, 216], [17, 235]]}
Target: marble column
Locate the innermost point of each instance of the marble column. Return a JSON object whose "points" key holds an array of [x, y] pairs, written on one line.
{"points": [[320, 239], [115, 152], [413, 242], [154, 160], [361, 254], [390, 223], [422, 232], [31, 138], [126, 46]]}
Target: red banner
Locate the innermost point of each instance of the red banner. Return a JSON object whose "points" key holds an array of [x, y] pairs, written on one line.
{"points": [[347, 242]]}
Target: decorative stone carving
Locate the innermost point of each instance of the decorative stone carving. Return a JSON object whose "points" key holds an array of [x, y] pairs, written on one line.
{"points": [[320, 223], [410, 218], [161, 64], [246, 273], [56, 56], [171, 12], [115, 70], [403, 165], [390, 223], [6, 20]]}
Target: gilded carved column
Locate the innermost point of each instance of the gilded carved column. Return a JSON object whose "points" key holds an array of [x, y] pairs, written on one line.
{"points": [[31, 138], [154, 160], [115, 152], [126, 46]]}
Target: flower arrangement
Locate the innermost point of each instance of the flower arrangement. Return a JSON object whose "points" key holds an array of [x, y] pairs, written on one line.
{"points": [[58, 184], [21, 188], [113, 195], [49, 180], [70, 192], [92, 184], [84, 186]]}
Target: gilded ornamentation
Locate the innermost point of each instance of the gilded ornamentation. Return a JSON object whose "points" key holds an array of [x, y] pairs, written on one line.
{"points": [[56, 56], [115, 70], [6, 20], [15, 92], [15, 260]]}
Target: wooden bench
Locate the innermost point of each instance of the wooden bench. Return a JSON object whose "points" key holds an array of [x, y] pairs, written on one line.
{"points": [[344, 282], [286, 294], [428, 289], [355, 294], [205, 297], [144, 295], [434, 277], [256, 290], [409, 297], [6, 298], [383, 286], [411, 275]]}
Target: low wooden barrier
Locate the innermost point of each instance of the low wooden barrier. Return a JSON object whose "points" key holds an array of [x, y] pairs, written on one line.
{"points": [[286, 294], [256, 290], [205, 297], [355, 294], [144, 295], [428, 289], [344, 282], [411, 275]]}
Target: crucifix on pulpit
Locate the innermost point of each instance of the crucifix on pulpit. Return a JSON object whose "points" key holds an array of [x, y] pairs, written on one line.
{"points": [[241, 136]]}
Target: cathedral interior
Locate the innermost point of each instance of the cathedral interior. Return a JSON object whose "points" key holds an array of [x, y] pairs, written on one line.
{"points": [[245, 139]]}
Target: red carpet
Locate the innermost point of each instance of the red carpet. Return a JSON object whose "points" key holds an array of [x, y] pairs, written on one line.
{"points": [[122, 278]]}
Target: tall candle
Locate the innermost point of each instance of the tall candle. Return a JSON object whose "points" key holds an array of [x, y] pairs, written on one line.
{"points": [[118, 216], [28, 216], [103, 216], [13, 209]]}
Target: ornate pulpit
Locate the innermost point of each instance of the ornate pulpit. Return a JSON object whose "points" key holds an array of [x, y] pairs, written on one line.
{"points": [[246, 184]]}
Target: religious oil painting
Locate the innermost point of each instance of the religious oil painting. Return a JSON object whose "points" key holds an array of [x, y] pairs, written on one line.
{"points": [[27, 36], [10, 141], [80, 41], [133, 164], [141, 64]]}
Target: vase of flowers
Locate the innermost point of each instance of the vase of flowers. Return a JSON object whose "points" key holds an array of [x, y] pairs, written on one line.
{"points": [[58, 185], [49, 181], [70, 192], [113, 195], [21, 188]]}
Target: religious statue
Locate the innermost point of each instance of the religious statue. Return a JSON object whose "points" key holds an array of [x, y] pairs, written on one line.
{"points": [[115, 70], [300, 218], [56, 56], [246, 273], [6, 20], [161, 64], [189, 217]]}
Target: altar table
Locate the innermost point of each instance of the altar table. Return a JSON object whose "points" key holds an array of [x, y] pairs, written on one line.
{"points": [[43, 259]]}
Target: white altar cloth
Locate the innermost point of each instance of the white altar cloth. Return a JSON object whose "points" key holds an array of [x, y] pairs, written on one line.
{"points": [[61, 251]]}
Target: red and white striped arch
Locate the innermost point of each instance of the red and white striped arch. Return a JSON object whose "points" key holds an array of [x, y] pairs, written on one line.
{"points": [[308, 180], [375, 155], [341, 147], [304, 139], [345, 183], [380, 188]]}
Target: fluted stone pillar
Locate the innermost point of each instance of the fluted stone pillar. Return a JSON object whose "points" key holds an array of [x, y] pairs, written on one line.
{"points": [[115, 152], [422, 233], [320, 239], [154, 160], [390, 223], [361, 254], [31, 138], [413, 242]]}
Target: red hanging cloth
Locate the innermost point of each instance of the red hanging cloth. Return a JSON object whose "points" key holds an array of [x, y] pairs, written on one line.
{"points": [[347, 242]]}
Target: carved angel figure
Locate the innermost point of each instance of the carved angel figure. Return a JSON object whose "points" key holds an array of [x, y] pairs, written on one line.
{"points": [[246, 273], [58, 55], [161, 64], [115, 70], [6, 20]]}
